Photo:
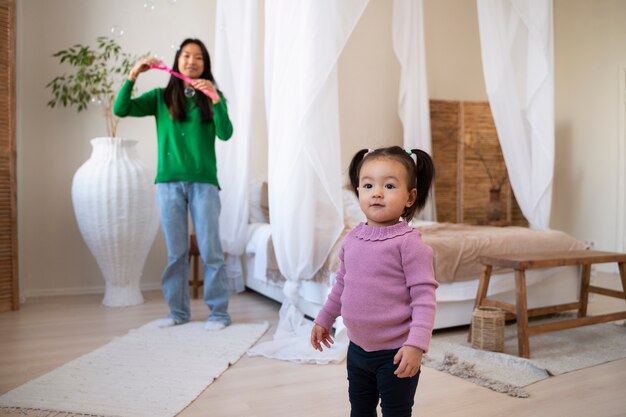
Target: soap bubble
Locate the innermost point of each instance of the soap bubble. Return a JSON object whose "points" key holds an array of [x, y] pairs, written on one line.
{"points": [[148, 6], [117, 31], [190, 92]]}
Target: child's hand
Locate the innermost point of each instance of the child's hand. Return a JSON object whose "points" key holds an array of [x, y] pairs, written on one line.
{"points": [[410, 359], [320, 335]]}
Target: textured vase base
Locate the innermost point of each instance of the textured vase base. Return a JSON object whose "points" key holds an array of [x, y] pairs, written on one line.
{"points": [[116, 211], [122, 296]]}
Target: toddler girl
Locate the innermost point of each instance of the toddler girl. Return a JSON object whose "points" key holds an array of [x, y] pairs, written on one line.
{"points": [[385, 286]]}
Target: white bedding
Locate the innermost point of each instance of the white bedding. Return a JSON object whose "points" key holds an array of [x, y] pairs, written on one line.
{"points": [[259, 235], [256, 265]]}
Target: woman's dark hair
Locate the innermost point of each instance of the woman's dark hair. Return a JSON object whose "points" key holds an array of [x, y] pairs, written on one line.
{"points": [[421, 172], [174, 94]]}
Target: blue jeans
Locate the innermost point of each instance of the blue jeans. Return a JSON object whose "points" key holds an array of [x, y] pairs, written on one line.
{"points": [[203, 201], [370, 377]]}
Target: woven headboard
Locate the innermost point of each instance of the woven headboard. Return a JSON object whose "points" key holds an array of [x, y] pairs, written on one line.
{"points": [[468, 162]]}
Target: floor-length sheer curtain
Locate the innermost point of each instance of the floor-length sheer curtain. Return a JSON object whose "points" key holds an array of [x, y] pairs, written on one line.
{"points": [[234, 66], [413, 108], [517, 45], [303, 41]]}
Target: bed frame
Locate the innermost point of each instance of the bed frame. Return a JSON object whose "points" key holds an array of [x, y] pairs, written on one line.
{"points": [[547, 287]]}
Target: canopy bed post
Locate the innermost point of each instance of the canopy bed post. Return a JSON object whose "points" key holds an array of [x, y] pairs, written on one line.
{"points": [[303, 41], [621, 166], [235, 53], [413, 109], [518, 64]]}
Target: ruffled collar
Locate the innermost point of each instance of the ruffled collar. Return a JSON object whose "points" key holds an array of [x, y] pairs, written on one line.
{"points": [[365, 232]]}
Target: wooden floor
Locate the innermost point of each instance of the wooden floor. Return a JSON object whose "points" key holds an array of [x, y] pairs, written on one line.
{"points": [[48, 332]]}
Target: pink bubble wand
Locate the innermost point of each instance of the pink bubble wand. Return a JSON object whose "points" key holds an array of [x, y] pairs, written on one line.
{"points": [[211, 94]]}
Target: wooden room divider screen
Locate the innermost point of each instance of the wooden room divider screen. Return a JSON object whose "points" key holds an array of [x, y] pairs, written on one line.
{"points": [[9, 296], [469, 163]]}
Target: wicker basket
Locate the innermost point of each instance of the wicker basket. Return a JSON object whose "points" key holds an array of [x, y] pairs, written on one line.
{"points": [[488, 329]]}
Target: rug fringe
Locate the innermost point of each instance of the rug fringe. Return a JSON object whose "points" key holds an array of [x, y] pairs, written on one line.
{"points": [[453, 366], [36, 412]]}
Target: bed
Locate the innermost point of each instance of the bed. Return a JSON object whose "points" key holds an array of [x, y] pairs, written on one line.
{"points": [[455, 247]]}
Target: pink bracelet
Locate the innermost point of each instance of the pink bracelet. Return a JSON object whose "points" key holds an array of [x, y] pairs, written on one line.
{"points": [[211, 94]]}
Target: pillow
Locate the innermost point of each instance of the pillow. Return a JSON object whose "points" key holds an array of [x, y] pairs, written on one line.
{"points": [[415, 223], [265, 202], [259, 209], [352, 214]]}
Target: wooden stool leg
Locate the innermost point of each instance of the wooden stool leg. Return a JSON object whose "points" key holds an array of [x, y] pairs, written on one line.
{"points": [[622, 275], [481, 294], [194, 253], [196, 280], [522, 314], [583, 300]]}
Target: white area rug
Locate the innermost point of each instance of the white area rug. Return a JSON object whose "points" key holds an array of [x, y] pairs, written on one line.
{"points": [[553, 353], [148, 372]]}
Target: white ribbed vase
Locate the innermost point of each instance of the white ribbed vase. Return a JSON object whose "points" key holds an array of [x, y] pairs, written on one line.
{"points": [[114, 203]]}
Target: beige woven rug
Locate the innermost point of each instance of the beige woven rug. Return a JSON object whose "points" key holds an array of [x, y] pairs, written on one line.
{"points": [[551, 354], [148, 372]]}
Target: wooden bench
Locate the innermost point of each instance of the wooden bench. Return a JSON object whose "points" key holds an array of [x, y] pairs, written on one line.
{"points": [[521, 262]]}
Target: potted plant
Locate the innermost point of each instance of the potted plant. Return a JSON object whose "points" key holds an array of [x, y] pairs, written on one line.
{"points": [[98, 72], [112, 192]]}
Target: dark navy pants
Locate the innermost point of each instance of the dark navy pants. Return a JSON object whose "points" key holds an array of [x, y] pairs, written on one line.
{"points": [[370, 377]]}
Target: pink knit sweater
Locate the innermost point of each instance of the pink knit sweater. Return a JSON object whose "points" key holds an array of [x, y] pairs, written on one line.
{"points": [[385, 288]]}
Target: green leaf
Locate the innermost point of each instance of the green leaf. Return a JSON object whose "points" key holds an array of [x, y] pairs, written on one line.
{"points": [[97, 72]]}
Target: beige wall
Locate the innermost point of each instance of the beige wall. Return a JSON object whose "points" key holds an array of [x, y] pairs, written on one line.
{"points": [[369, 72], [590, 40], [369, 76], [590, 58], [53, 143], [453, 60]]}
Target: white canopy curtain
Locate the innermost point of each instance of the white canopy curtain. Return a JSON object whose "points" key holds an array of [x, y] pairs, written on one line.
{"points": [[234, 62], [413, 107], [516, 38], [303, 41]]}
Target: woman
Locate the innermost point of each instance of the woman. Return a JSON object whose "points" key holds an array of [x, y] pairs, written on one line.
{"points": [[187, 124]]}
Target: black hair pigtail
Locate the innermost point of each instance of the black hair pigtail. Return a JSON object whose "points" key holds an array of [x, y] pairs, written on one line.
{"points": [[353, 170], [424, 175]]}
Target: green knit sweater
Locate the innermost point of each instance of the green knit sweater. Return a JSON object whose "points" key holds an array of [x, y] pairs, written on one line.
{"points": [[186, 150]]}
